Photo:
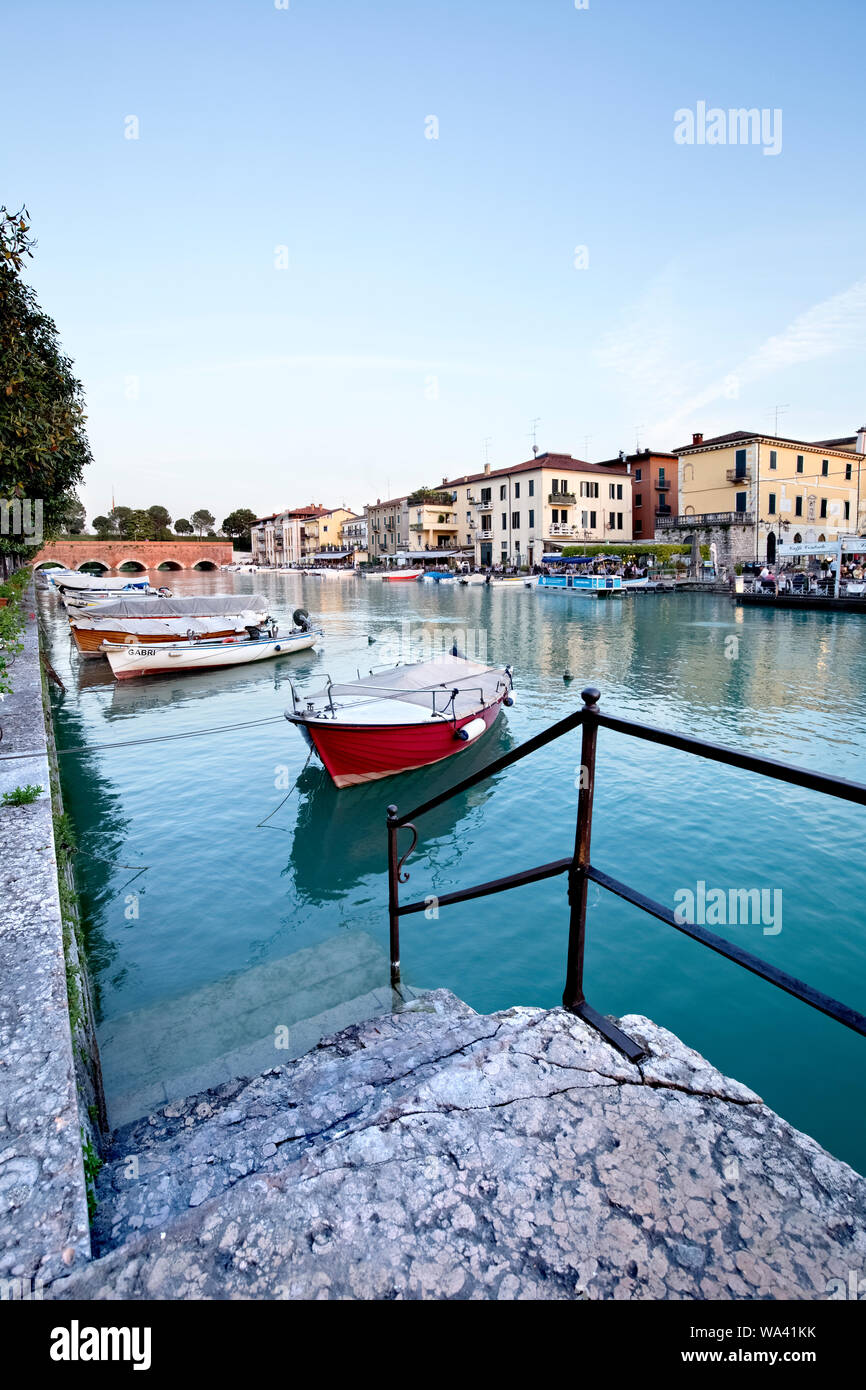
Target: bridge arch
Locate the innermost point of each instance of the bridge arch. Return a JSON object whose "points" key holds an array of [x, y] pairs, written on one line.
{"points": [[204, 565], [48, 565], [91, 565], [131, 565], [169, 565]]}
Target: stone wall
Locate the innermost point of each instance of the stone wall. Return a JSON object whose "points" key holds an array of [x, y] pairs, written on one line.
{"points": [[44, 1228]]}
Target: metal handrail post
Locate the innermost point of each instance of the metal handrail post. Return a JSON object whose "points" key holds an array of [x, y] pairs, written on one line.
{"points": [[578, 883], [393, 896]]}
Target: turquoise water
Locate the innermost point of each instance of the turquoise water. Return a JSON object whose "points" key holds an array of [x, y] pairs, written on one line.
{"points": [[203, 858]]}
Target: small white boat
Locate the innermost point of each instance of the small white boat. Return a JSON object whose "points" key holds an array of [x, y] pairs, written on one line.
{"points": [[131, 659], [401, 576]]}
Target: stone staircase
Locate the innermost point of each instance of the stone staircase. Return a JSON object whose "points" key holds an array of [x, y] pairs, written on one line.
{"points": [[437, 1153], [241, 1024]]}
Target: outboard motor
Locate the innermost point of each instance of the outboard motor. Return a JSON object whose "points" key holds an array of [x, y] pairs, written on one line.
{"points": [[253, 631], [301, 619]]}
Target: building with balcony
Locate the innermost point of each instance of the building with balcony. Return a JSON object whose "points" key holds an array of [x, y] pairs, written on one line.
{"points": [[654, 488], [515, 515], [293, 536], [745, 492], [387, 529]]}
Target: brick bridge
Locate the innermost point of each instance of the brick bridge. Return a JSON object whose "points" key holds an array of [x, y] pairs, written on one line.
{"points": [[76, 552]]}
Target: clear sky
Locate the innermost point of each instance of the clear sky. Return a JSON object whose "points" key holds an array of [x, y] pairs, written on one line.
{"points": [[430, 298]]}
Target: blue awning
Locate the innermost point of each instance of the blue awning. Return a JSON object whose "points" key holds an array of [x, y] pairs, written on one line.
{"points": [[570, 559]]}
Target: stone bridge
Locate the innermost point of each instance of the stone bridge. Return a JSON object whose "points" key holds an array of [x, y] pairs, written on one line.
{"points": [[86, 552]]}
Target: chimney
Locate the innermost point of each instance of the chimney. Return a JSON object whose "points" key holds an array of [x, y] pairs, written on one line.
{"points": [[444, 481], [860, 445], [697, 439], [486, 469]]}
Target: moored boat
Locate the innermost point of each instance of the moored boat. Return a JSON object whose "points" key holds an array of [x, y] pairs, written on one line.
{"points": [[587, 585], [401, 576], [131, 659], [152, 620], [400, 719]]}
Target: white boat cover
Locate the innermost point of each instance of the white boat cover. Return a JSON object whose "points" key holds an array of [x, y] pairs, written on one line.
{"points": [[197, 606], [414, 684]]}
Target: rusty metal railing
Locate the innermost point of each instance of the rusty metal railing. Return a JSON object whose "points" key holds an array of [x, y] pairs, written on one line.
{"points": [[581, 872]]}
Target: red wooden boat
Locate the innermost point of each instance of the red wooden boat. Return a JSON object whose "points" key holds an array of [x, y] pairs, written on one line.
{"points": [[401, 719]]}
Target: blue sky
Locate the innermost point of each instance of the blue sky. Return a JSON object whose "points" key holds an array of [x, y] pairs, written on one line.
{"points": [[431, 299]]}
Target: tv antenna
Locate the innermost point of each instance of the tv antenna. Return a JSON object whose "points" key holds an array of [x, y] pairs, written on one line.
{"points": [[637, 430], [533, 435], [485, 443], [586, 439], [777, 410]]}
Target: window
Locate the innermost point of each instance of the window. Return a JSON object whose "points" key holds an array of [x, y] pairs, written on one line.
{"points": [[531, 517], [563, 514], [554, 485], [847, 511], [516, 490], [799, 463], [532, 487], [825, 468], [638, 500], [741, 501], [619, 492], [611, 491], [773, 457], [584, 520], [798, 506], [486, 494], [610, 520], [619, 521], [515, 521], [771, 504], [847, 472], [504, 521], [661, 475], [739, 464], [502, 493], [555, 515], [592, 521], [637, 475], [823, 506], [638, 528]]}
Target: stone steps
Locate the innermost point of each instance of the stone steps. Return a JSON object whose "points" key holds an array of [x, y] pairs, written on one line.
{"points": [[437, 1153], [241, 1024], [164, 1164]]}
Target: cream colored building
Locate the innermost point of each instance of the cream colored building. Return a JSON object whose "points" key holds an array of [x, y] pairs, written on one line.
{"points": [[758, 490], [515, 515]]}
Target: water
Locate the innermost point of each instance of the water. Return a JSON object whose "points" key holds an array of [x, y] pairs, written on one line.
{"points": [[216, 870]]}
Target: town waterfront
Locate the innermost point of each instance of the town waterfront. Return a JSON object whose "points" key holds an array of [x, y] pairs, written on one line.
{"points": [[204, 859]]}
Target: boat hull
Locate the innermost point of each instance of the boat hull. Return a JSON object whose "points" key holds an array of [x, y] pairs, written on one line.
{"points": [[132, 660], [356, 753], [89, 640]]}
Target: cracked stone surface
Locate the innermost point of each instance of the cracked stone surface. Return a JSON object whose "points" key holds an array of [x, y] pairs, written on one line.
{"points": [[438, 1153], [43, 1199]]}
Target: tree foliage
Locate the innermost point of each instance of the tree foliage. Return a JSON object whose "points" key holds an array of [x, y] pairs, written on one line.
{"points": [[202, 519], [43, 443], [183, 527]]}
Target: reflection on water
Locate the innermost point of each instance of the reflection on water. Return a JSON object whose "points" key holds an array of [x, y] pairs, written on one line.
{"points": [[227, 867]]}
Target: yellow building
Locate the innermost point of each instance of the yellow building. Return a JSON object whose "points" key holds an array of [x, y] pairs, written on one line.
{"points": [[756, 490]]}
